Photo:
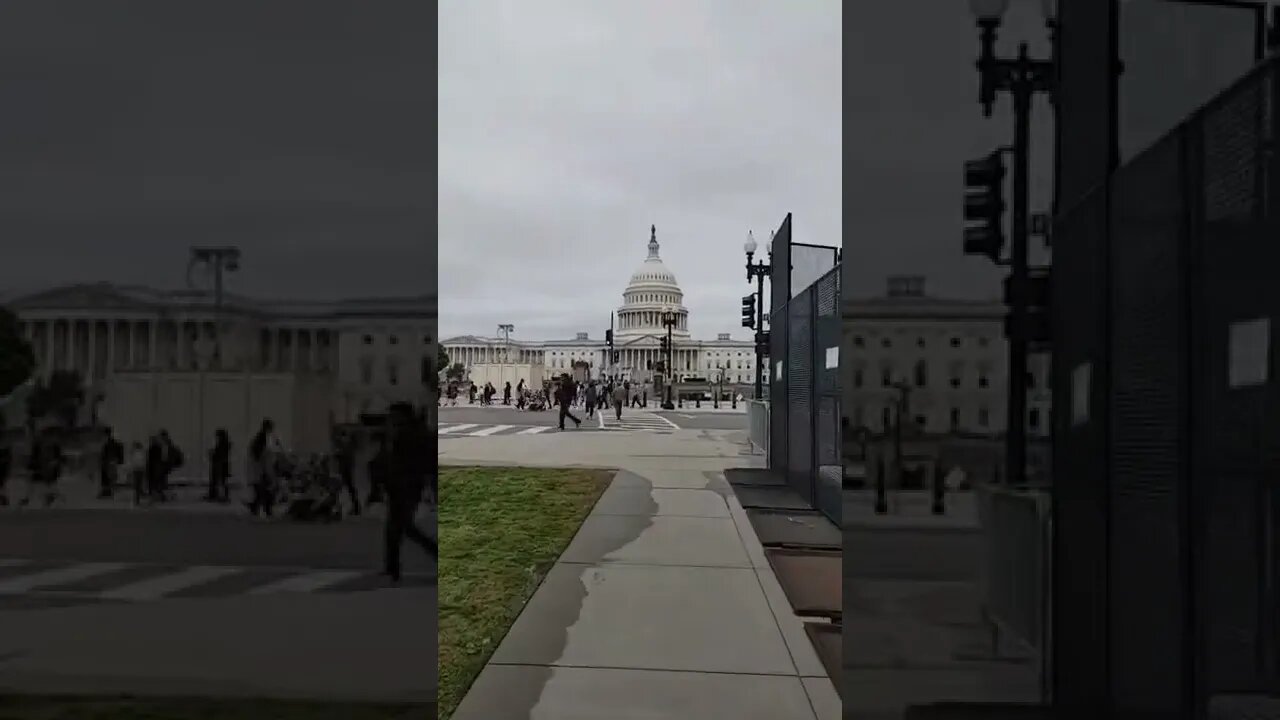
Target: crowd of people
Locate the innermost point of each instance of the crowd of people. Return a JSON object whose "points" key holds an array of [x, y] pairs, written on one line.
{"points": [[402, 473], [564, 392]]}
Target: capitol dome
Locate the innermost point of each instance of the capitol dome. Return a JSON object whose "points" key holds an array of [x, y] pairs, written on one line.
{"points": [[652, 291]]}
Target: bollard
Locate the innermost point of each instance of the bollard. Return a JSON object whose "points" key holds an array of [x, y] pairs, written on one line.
{"points": [[882, 502]]}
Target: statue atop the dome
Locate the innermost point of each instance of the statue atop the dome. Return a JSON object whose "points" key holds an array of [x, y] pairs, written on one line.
{"points": [[653, 241]]}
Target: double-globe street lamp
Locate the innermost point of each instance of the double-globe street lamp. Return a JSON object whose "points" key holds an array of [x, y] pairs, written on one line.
{"points": [[1022, 77], [758, 270], [217, 261], [669, 319]]}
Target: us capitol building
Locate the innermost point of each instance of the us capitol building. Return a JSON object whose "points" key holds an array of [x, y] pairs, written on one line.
{"points": [[652, 291], [148, 360]]}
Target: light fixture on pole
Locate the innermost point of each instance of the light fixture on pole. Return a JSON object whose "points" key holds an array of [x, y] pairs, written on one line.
{"points": [[669, 319], [758, 270], [1022, 77], [216, 261]]}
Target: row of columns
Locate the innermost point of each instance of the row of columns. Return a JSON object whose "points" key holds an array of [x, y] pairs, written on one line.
{"points": [[648, 320], [470, 355], [95, 347]]}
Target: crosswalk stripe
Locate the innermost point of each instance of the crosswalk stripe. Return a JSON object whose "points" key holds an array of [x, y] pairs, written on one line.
{"points": [[306, 582], [457, 428], [491, 430], [57, 576], [158, 587], [534, 430]]}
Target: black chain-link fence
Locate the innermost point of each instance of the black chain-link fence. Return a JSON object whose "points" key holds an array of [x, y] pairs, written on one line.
{"points": [[804, 392], [1167, 417]]}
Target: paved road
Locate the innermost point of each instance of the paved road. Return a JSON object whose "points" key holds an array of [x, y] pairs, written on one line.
{"points": [[694, 420], [167, 601], [512, 421]]}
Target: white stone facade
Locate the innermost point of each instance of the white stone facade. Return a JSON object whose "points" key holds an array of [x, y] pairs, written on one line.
{"points": [[951, 353], [651, 291], [351, 356]]}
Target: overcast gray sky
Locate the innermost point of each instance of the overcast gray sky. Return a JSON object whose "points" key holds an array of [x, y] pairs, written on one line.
{"points": [[298, 129], [568, 127]]}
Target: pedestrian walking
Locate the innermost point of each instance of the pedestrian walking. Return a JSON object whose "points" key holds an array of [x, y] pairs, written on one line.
{"points": [[619, 399], [137, 472], [345, 455], [110, 459], [6, 464], [219, 467], [410, 460], [377, 469], [45, 465], [506, 393], [262, 469], [566, 398], [590, 396]]}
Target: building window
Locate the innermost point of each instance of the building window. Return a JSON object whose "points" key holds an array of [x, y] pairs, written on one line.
{"points": [[426, 370], [393, 340], [982, 380], [857, 341], [920, 343], [921, 422], [886, 343], [1033, 419], [857, 377], [426, 339], [983, 418], [955, 342], [368, 339], [886, 376], [922, 374], [884, 418], [955, 418], [955, 382], [393, 373], [1031, 380]]}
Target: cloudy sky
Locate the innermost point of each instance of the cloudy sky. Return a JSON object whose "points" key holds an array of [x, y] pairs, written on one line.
{"points": [[297, 129], [568, 127]]}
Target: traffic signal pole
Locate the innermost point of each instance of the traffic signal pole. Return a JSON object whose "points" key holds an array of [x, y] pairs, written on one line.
{"points": [[759, 337], [1023, 89]]}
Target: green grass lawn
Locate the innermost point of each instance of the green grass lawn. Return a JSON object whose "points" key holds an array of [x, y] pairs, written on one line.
{"points": [[69, 708], [501, 530]]}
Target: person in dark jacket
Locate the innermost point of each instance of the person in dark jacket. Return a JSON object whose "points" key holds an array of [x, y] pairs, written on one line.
{"points": [[567, 391], [410, 461], [591, 398], [260, 459], [112, 457], [345, 455], [219, 467], [6, 464], [506, 393]]}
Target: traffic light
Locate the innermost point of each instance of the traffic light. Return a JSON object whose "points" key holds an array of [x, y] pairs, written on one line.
{"points": [[1037, 329], [616, 355], [749, 311], [984, 206], [608, 337], [663, 344]]}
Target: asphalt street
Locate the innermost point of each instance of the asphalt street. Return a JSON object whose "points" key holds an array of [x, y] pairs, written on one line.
{"points": [[499, 415]]}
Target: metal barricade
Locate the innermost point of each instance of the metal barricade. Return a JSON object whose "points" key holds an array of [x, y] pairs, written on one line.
{"points": [[758, 426], [1016, 564]]}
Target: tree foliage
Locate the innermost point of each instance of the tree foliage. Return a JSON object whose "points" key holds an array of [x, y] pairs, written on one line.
{"points": [[17, 359], [61, 397]]}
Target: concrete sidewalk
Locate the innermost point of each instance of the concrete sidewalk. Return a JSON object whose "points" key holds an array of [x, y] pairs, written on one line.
{"points": [[663, 605]]}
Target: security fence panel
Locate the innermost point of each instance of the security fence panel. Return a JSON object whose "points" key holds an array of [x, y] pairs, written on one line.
{"points": [[827, 437], [1236, 426], [1080, 380], [1148, 572], [777, 372], [800, 405]]}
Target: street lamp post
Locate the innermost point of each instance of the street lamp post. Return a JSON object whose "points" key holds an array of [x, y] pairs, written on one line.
{"points": [[669, 319], [1022, 77], [218, 260], [758, 270]]}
